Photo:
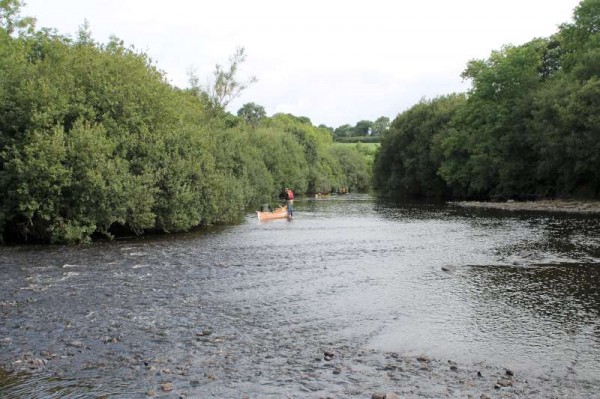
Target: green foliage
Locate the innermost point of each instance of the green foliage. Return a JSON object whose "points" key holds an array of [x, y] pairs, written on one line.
{"points": [[225, 85], [358, 139], [95, 142], [10, 18], [356, 163], [409, 158], [252, 114], [529, 126], [380, 126], [344, 131], [363, 127]]}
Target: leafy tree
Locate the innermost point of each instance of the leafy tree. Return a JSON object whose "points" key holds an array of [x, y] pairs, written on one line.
{"points": [[356, 170], [409, 158], [224, 87], [10, 18], [344, 131], [252, 113], [305, 120], [96, 142], [494, 156], [363, 128], [380, 126], [325, 127]]}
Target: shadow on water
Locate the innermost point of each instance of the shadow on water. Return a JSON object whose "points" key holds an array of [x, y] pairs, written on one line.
{"points": [[250, 309]]}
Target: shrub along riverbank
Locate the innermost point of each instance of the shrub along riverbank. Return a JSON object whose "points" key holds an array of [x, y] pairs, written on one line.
{"points": [[528, 128], [95, 141]]}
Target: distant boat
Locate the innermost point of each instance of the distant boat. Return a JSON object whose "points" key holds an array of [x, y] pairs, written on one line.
{"points": [[279, 213]]}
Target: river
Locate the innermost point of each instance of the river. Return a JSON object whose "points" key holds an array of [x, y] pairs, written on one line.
{"points": [[352, 297]]}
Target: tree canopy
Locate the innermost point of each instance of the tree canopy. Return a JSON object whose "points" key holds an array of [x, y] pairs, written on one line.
{"points": [[527, 128], [95, 142]]}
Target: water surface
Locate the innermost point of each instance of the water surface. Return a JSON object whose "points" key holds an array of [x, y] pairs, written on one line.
{"points": [[250, 309]]}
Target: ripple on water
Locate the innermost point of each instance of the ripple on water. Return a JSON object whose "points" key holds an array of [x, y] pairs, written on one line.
{"points": [[250, 309]]}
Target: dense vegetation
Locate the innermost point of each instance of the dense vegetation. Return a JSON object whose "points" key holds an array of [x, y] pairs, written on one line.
{"points": [[364, 131], [94, 141], [529, 127]]}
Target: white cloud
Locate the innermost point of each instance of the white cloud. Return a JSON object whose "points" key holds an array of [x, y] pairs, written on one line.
{"points": [[334, 61]]}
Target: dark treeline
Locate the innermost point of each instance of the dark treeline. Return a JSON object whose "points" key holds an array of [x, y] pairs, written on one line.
{"points": [[528, 128], [95, 142]]}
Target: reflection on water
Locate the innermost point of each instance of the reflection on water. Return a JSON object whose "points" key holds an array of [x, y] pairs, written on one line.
{"points": [[245, 309]]}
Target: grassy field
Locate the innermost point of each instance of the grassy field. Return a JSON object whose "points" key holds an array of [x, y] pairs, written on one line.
{"points": [[367, 147]]}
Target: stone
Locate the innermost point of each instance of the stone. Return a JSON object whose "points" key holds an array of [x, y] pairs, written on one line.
{"points": [[166, 387], [503, 383], [205, 332], [388, 395]]}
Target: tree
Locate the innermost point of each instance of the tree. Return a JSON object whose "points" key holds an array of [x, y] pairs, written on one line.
{"points": [[224, 87], [409, 157], [363, 128], [380, 126], [344, 131], [324, 126], [252, 113], [10, 17], [489, 151]]}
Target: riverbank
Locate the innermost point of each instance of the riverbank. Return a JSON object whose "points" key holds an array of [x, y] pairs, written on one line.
{"points": [[344, 370], [570, 206]]}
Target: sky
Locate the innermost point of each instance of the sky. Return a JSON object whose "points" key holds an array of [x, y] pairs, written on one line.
{"points": [[334, 61]]}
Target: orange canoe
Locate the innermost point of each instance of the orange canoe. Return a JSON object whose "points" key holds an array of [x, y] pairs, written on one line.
{"points": [[278, 213]]}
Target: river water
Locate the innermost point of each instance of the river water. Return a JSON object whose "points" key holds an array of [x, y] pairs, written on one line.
{"points": [[350, 298]]}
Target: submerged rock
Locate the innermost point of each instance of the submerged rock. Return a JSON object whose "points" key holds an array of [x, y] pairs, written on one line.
{"points": [[166, 387], [503, 383], [205, 332], [76, 344], [388, 395]]}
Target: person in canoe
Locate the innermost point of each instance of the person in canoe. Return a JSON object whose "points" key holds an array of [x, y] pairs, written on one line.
{"points": [[289, 196]]}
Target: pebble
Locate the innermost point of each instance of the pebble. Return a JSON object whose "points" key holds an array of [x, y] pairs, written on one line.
{"points": [[503, 383], [166, 387], [389, 395], [205, 332], [109, 340], [76, 344]]}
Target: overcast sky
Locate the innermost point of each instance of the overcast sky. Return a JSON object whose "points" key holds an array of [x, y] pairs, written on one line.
{"points": [[333, 61]]}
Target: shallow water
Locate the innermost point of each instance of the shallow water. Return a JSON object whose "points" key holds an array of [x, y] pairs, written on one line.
{"points": [[248, 310]]}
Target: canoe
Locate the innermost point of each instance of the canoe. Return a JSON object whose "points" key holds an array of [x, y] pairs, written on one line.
{"points": [[278, 213]]}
